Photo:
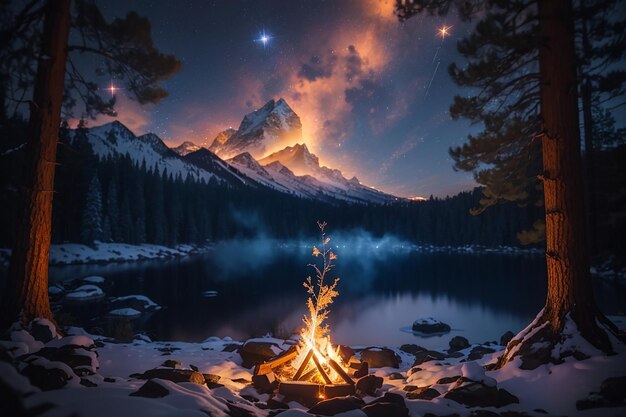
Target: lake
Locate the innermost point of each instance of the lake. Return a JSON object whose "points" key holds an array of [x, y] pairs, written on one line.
{"points": [[385, 285]]}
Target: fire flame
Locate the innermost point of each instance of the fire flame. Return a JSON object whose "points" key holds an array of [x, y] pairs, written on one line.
{"points": [[315, 336]]}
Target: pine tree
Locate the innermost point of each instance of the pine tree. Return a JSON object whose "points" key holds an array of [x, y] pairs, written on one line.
{"points": [[522, 57], [92, 213]]}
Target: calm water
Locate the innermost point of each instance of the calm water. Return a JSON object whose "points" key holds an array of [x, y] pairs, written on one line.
{"points": [[384, 287]]}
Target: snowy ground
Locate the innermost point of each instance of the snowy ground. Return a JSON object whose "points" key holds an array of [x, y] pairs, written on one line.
{"points": [[105, 384], [76, 253]]}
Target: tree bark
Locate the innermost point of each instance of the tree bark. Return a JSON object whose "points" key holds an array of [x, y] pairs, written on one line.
{"points": [[569, 283], [26, 292]]}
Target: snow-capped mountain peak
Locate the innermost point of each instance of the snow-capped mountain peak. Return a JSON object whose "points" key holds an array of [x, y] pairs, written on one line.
{"points": [[221, 137], [186, 148], [270, 127]]}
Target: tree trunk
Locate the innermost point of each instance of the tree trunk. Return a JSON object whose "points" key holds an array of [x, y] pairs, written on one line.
{"points": [[26, 292], [570, 294]]}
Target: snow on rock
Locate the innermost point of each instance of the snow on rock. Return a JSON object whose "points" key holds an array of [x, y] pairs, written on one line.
{"points": [[94, 279], [82, 341], [84, 293], [129, 313], [138, 302], [430, 325]]}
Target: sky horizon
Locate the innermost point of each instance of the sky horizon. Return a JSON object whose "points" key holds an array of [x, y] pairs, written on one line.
{"points": [[372, 94]]}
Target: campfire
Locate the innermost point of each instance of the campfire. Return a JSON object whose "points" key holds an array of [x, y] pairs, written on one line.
{"points": [[314, 368]]}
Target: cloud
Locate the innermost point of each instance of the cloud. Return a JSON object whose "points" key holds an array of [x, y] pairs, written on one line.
{"points": [[317, 67], [132, 114]]}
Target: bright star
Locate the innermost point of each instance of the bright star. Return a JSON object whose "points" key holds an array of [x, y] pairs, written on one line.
{"points": [[264, 38], [444, 31], [112, 89]]}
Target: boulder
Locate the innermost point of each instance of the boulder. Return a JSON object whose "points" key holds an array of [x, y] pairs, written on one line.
{"points": [[265, 383], [506, 338], [151, 389], [45, 377], [336, 406], [369, 384], [385, 409], [380, 357], [429, 326], [423, 393], [178, 375], [614, 389], [390, 397], [42, 330], [448, 379], [476, 394], [413, 349], [172, 363], [138, 302], [257, 352], [458, 343], [478, 352], [428, 355], [345, 353]]}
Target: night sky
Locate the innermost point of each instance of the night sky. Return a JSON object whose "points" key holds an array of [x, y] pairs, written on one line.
{"points": [[356, 76]]}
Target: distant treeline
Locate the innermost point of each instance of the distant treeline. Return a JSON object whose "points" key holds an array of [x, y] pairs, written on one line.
{"points": [[117, 200]]}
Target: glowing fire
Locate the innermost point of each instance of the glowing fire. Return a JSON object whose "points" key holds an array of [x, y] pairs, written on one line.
{"points": [[315, 345]]}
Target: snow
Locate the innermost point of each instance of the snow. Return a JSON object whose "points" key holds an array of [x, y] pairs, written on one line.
{"points": [[85, 293], [125, 312], [79, 340], [147, 303], [94, 279], [55, 290]]}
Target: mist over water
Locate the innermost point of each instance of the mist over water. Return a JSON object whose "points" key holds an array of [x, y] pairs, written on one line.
{"points": [[385, 284]]}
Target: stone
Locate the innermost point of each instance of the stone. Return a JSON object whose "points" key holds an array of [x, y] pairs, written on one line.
{"points": [[362, 371], [151, 389], [70, 355], [231, 347], [475, 394], [614, 389], [172, 363], [274, 404], [265, 383], [412, 348], [239, 410], [478, 352], [395, 375], [458, 343], [506, 338], [46, 378], [178, 375], [429, 325], [484, 413], [345, 353], [448, 379], [428, 355], [255, 353], [390, 397], [369, 384], [336, 406], [41, 331], [424, 393], [385, 409], [380, 357]]}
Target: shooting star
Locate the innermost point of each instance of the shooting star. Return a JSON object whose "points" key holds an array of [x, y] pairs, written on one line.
{"points": [[432, 78]]}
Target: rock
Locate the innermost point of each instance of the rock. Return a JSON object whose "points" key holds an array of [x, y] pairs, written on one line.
{"points": [[412, 349], [424, 393], [390, 397], [172, 363], [385, 409], [69, 355], [428, 355], [380, 357], [87, 383], [265, 383], [429, 325], [448, 379], [475, 394], [506, 338], [151, 389], [458, 343], [433, 415], [254, 353], [483, 413], [336, 406], [45, 377], [178, 375], [614, 389], [85, 293], [478, 352], [42, 330], [109, 379], [137, 302], [231, 347], [274, 404], [395, 375], [369, 384], [239, 410], [362, 371]]}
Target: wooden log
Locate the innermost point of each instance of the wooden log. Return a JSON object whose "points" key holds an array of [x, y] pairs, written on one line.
{"points": [[343, 374], [338, 390], [309, 374], [276, 361], [298, 389], [303, 365], [321, 369]]}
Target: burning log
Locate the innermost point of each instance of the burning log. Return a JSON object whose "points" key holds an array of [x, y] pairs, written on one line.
{"points": [[302, 389], [267, 367]]}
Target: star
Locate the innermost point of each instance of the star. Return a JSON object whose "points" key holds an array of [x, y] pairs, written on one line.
{"points": [[112, 89], [264, 38], [444, 31]]}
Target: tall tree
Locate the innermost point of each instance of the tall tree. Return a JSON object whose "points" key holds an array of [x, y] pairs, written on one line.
{"points": [[92, 228], [128, 54], [522, 57]]}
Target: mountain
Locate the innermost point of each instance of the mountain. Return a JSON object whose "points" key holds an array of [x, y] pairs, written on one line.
{"points": [[116, 140], [221, 137], [272, 126], [303, 163], [208, 161], [186, 148]]}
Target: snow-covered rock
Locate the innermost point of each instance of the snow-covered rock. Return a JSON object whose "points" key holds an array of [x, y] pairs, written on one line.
{"points": [[186, 148], [84, 293]]}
